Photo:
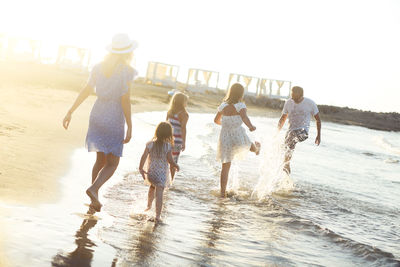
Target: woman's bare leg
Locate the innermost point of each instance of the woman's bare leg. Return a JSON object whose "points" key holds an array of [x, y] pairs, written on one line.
{"points": [[159, 201], [98, 165], [104, 174], [150, 197], [224, 177]]}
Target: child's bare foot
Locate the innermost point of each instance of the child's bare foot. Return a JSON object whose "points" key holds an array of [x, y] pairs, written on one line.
{"points": [[147, 209], [258, 147], [155, 220], [95, 201]]}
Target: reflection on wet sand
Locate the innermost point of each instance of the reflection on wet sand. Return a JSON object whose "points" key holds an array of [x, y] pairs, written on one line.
{"points": [[146, 244], [145, 239], [217, 226], [216, 223], [135, 238], [83, 254]]}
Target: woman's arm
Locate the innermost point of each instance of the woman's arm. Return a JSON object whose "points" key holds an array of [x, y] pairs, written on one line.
{"points": [[85, 92], [217, 118], [171, 161], [246, 120], [143, 161], [183, 119], [126, 107]]}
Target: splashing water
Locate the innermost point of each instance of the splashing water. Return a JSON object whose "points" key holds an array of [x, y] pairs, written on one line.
{"points": [[234, 180], [272, 178], [236, 186], [335, 205]]}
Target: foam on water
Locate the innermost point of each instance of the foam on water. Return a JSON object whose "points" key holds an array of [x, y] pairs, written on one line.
{"points": [[385, 144], [234, 179]]}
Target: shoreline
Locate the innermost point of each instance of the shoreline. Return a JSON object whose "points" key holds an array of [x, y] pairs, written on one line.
{"points": [[37, 97], [36, 148], [49, 76]]}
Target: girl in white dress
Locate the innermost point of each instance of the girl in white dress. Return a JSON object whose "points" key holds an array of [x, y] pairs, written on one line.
{"points": [[233, 141], [158, 156]]}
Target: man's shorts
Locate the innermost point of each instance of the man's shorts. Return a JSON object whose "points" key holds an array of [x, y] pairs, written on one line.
{"points": [[295, 136]]}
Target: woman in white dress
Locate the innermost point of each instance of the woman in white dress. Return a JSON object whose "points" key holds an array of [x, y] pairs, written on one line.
{"points": [[233, 141]]}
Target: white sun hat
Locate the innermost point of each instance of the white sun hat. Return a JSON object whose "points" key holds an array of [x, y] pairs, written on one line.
{"points": [[121, 44]]}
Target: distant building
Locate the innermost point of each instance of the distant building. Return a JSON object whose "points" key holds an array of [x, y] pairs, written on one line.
{"points": [[162, 74], [200, 80]]}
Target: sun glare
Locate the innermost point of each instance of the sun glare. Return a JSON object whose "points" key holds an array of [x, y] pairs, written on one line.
{"points": [[285, 40]]}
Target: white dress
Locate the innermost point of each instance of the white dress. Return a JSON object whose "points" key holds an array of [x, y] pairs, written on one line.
{"points": [[233, 141], [157, 166]]}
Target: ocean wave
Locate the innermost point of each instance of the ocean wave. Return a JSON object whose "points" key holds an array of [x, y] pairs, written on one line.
{"points": [[369, 154], [391, 161], [369, 253], [342, 199], [372, 254], [389, 147]]}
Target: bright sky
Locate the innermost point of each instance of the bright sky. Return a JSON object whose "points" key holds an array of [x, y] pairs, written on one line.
{"points": [[342, 52]]}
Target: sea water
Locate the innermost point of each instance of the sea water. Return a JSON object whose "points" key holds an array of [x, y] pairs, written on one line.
{"points": [[339, 206]]}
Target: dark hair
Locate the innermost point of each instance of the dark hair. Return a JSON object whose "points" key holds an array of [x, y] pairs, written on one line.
{"points": [[162, 135], [235, 94], [298, 89]]}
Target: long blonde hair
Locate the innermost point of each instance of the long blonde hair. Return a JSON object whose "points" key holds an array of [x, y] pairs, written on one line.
{"points": [[177, 104], [112, 61], [235, 94], [162, 136]]}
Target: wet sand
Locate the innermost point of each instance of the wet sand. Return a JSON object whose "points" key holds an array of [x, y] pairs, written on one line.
{"points": [[36, 150], [3, 261], [35, 147]]}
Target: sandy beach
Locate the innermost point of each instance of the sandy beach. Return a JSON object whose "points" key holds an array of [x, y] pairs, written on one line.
{"points": [[35, 145], [337, 204], [36, 150]]}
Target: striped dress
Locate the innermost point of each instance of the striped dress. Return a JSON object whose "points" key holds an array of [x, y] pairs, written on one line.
{"points": [[176, 126]]}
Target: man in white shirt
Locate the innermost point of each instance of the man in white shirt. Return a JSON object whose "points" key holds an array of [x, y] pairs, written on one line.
{"points": [[299, 109]]}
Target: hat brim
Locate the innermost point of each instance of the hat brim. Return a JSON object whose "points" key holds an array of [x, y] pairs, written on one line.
{"points": [[133, 46]]}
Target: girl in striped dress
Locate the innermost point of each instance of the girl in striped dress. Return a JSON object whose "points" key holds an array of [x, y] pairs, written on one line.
{"points": [[178, 117]]}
